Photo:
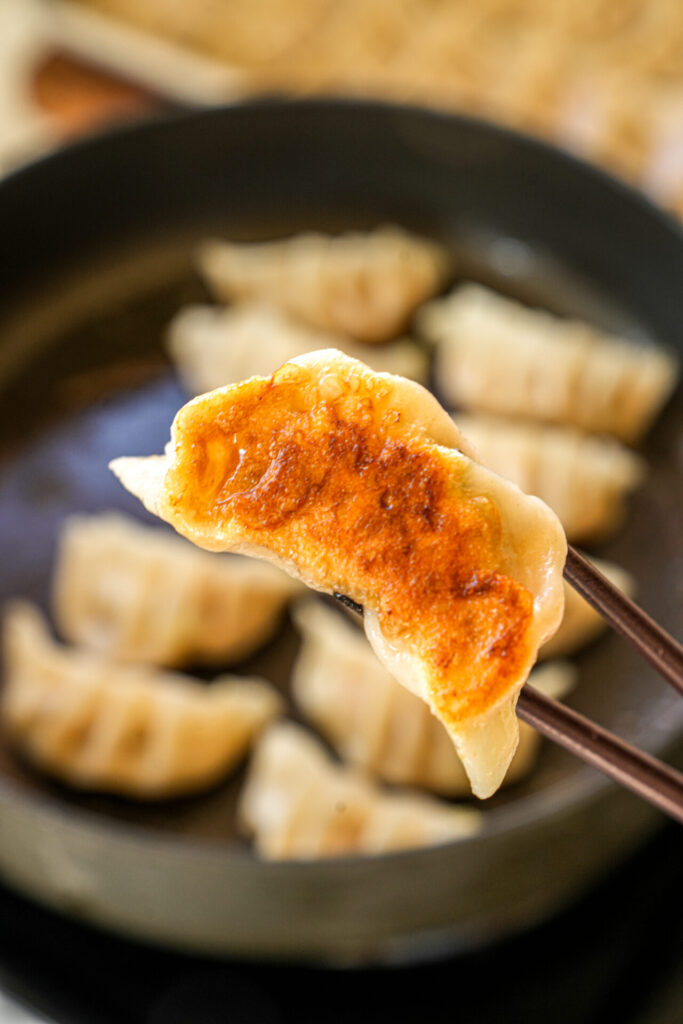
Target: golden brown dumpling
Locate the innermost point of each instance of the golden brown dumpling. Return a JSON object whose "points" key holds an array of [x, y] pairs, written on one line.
{"points": [[586, 480], [363, 285], [373, 722], [140, 593], [214, 345], [356, 482], [495, 355], [298, 804], [135, 731]]}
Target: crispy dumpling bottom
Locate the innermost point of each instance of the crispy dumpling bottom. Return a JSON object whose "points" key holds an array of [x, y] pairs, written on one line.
{"points": [[356, 482]]}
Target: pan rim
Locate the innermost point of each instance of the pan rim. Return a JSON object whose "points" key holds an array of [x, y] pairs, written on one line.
{"points": [[179, 115]]}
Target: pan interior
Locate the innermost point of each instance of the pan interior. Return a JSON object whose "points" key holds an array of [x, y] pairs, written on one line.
{"points": [[84, 378], [101, 385]]}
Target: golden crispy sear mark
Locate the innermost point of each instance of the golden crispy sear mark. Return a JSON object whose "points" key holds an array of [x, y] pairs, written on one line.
{"points": [[358, 502]]}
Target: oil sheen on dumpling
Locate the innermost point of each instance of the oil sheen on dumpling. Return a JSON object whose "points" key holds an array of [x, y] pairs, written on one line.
{"points": [[363, 285], [373, 722], [586, 480], [356, 483], [215, 345], [141, 593], [298, 804], [135, 731], [495, 355]]}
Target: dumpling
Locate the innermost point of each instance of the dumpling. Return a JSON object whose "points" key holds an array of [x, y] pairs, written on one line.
{"points": [[495, 355], [354, 482], [585, 480], [581, 623], [139, 593], [213, 345], [298, 804], [376, 724], [135, 731], [364, 285]]}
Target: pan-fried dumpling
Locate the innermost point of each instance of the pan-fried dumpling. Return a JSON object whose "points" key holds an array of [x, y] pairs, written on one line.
{"points": [[298, 804], [139, 593], [356, 483], [364, 285], [581, 623], [498, 356], [131, 730], [585, 480], [214, 345], [375, 723]]}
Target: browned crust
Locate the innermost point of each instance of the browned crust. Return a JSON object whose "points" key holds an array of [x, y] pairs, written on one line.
{"points": [[342, 486]]}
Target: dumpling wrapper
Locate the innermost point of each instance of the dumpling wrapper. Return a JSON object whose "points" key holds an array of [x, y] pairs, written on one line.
{"points": [[213, 345], [377, 725], [496, 355], [355, 482], [142, 594], [131, 730], [365, 285], [585, 479], [298, 804]]}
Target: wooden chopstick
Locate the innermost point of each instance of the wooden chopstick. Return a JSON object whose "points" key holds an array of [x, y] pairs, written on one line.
{"points": [[659, 784], [654, 643]]}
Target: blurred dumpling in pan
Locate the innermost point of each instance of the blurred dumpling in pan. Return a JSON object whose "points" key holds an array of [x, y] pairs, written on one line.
{"points": [[586, 480], [214, 345], [140, 593], [495, 355], [356, 482], [373, 722], [131, 730], [298, 804], [363, 285]]}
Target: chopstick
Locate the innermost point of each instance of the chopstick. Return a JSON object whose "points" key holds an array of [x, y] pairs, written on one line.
{"points": [[620, 612], [659, 784]]}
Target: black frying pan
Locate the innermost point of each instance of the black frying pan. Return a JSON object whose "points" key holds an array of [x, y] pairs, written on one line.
{"points": [[97, 244]]}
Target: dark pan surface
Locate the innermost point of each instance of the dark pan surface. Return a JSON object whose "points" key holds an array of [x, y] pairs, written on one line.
{"points": [[98, 243]]}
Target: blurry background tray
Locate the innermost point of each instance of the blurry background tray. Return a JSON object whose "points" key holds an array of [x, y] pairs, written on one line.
{"points": [[84, 379], [603, 78]]}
